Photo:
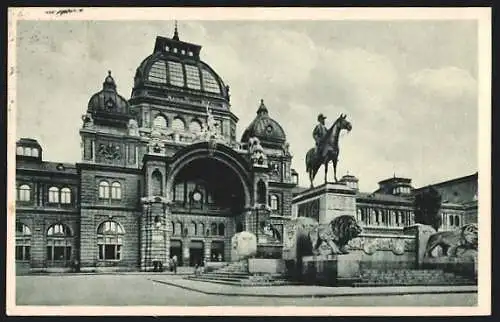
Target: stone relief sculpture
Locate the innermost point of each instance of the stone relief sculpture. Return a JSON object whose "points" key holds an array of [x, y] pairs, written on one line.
{"points": [[256, 152], [110, 152], [454, 243], [133, 128]]}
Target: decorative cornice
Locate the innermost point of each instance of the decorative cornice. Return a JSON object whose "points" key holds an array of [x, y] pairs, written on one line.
{"points": [[155, 199], [106, 167]]}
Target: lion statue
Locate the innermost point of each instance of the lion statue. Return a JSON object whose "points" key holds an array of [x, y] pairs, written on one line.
{"points": [[332, 238], [454, 242]]}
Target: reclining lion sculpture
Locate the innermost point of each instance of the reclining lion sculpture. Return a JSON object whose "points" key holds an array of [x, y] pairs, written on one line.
{"points": [[332, 238], [454, 242]]}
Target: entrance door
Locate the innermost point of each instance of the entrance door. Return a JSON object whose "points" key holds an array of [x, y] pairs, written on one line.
{"points": [[217, 251], [176, 250], [196, 250]]}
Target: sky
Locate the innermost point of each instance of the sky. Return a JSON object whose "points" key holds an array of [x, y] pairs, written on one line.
{"points": [[409, 88]]}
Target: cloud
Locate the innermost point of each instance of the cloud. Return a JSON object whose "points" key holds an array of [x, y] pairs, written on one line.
{"points": [[411, 102], [447, 83]]}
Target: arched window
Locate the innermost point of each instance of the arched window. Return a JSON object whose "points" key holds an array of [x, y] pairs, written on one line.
{"points": [[274, 202], [192, 229], [53, 195], [222, 229], [173, 228], [23, 242], [116, 191], [157, 183], [66, 195], [160, 122], [103, 190], [178, 228], [457, 220], [261, 192], [178, 124], [195, 126], [34, 152], [24, 192], [27, 151], [213, 229], [110, 240], [450, 220], [59, 243], [20, 150]]}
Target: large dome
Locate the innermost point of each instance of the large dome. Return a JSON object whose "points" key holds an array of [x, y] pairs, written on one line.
{"points": [[265, 128], [175, 67], [108, 105]]}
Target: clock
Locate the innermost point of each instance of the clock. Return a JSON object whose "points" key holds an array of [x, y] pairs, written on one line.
{"points": [[197, 196]]}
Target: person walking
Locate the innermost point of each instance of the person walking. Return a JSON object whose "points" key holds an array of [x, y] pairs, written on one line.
{"points": [[174, 263]]}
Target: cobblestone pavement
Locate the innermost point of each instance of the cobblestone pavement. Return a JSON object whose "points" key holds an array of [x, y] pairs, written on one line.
{"points": [[135, 290]]}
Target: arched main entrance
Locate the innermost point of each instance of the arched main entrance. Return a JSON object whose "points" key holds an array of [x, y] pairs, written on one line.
{"points": [[208, 196]]}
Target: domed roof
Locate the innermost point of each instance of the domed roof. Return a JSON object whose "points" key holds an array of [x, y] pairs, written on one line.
{"points": [[265, 128], [107, 103], [175, 66]]}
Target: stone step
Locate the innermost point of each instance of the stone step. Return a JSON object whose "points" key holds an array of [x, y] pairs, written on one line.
{"points": [[240, 282], [226, 274], [218, 278], [419, 283]]}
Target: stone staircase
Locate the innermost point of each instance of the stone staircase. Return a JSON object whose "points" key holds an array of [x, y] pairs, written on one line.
{"points": [[236, 273], [411, 277]]}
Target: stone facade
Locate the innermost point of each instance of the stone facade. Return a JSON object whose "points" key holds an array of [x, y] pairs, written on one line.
{"points": [[162, 174]]}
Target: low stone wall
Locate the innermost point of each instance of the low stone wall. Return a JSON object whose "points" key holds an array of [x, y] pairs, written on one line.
{"points": [[456, 265], [266, 266], [331, 270], [382, 251]]}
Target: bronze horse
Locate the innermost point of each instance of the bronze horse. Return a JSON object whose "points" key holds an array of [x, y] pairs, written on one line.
{"points": [[328, 149]]}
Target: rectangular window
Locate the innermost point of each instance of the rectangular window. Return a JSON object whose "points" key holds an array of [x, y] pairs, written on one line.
{"points": [[175, 73], [23, 253], [179, 192], [192, 77], [109, 252]]}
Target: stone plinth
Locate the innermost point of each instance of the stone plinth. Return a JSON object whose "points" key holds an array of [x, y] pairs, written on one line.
{"points": [[325, 202], [266, 266], [331, 270], [422, 234]]}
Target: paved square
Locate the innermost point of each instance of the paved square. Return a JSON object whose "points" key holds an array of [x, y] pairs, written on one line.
{"points": [[135, 290]]}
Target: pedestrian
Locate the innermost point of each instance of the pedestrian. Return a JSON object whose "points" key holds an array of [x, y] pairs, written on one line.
{"points": [[174, 260]]}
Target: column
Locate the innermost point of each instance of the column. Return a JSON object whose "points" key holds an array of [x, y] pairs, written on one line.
{"points": [[207, 243], [155, 236]]}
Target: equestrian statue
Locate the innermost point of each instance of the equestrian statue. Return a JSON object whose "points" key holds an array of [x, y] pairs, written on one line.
{"points": [[327, 146]]}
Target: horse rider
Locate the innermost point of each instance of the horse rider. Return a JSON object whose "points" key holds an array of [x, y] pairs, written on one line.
{"points": [[320, 130]]}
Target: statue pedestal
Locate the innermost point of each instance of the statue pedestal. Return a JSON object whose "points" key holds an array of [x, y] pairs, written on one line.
{"points": [[331, 270], [325, 202]]}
